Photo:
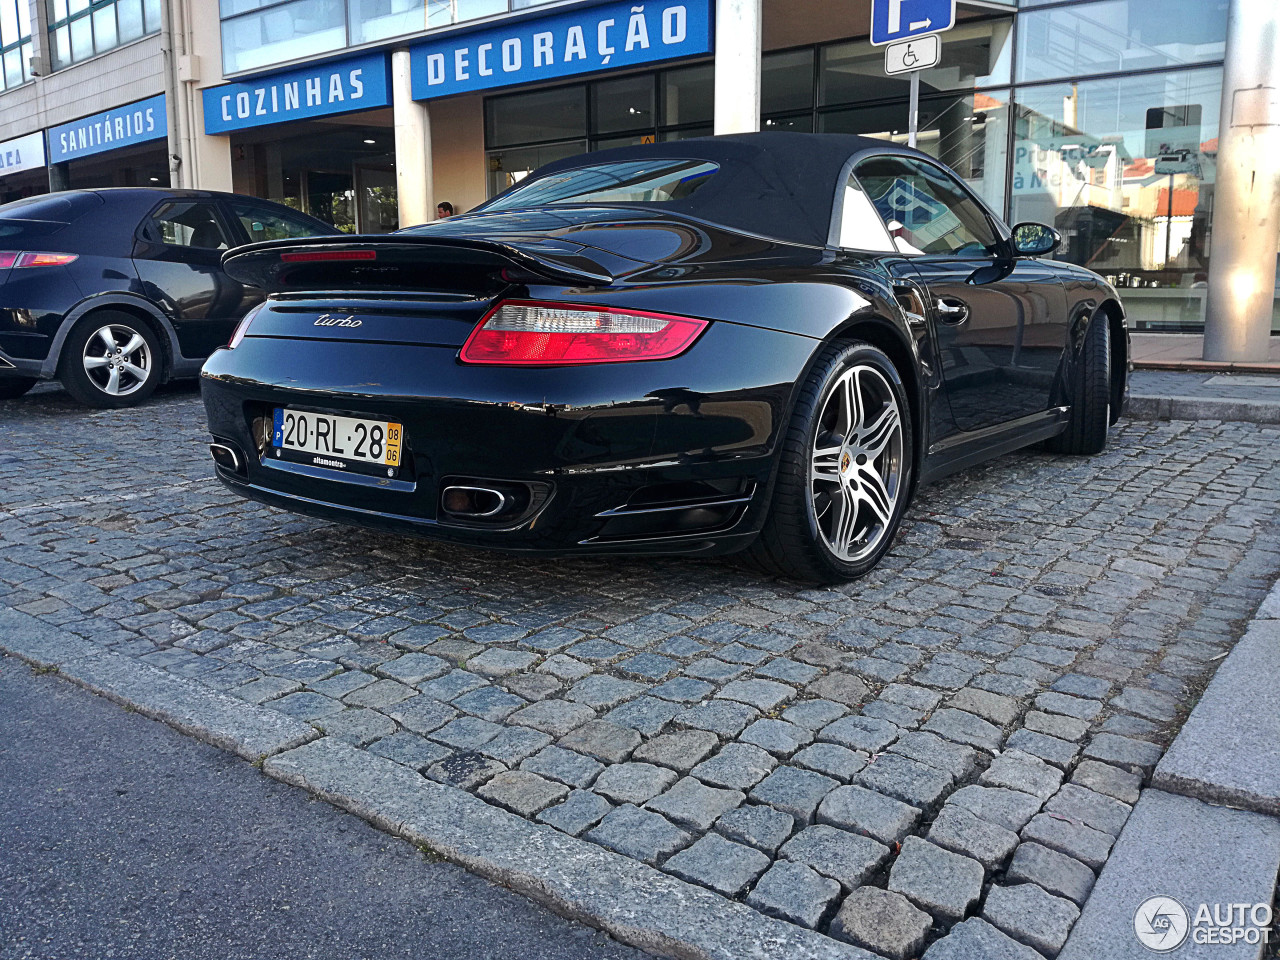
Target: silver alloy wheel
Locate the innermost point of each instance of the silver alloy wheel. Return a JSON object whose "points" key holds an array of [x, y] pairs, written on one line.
{"points": [[856, 464], [117, 360]]}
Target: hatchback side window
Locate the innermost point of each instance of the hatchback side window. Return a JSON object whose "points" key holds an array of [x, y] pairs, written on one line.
{"points": [[264, 223], [925, 210], [187, 224]]}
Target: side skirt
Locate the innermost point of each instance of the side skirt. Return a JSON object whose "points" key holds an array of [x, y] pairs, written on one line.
{"points": [[967, 449]]}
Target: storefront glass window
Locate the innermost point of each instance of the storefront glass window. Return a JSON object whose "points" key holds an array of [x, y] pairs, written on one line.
{"points": [[625, 104], [442, 13], [1124, 169], [15, 43], [281, 31], [1089, 38], [688, 95], [973, 55], [968, 133], [559, 114], [79, 29], [377, 19], [786, 81]]}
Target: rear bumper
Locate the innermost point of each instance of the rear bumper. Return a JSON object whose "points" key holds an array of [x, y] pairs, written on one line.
{"points": [[667, 457]]}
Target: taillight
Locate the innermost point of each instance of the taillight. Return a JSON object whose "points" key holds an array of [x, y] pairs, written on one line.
{"points": [[243, 326], [313, 256], [9, 258], [522, 332]]}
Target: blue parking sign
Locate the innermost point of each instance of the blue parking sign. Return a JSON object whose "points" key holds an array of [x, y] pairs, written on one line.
{"points": [[894, 20]]}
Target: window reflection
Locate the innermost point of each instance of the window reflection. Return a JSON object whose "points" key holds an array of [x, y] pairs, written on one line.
{"points": [[1125, 169], [1084, 38]]}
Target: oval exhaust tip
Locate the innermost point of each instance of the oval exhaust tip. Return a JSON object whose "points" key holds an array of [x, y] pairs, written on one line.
{"points": [[224, 456], [479, 502]]}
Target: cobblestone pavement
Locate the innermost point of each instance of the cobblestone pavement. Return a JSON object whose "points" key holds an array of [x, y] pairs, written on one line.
{"points": [[945, 749]]}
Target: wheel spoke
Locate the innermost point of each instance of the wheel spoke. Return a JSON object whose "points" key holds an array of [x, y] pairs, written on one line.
{"points": [[135, 343], [107, 339], [93, 363], [826, 463], [851, 403], [846, 520], [113, 382], [138, 372], [877, 436], [876, 494]]}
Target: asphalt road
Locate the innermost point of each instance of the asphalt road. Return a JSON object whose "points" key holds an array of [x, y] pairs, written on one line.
{"points": [[121, 838]]}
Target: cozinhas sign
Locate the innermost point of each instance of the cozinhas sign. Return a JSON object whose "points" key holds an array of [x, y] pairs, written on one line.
{"points": [[120, 127], [22, 153], [319, 90], [615, 35]]}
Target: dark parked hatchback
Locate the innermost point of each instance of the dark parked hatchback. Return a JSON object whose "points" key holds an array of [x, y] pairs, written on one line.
{"points": [[115, 291]]}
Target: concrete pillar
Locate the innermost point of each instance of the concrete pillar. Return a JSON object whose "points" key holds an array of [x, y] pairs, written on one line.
{"points": [[737, 64], [59, 177], [415, 192], [1246, 218]]}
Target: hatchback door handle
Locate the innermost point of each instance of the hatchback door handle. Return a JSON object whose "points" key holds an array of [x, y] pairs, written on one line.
{"points": [[951, 310]]}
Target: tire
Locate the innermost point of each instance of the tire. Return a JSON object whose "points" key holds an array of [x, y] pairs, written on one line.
{"points": [[821, 475], [107, 378], [13, 387], [1089, 393]]}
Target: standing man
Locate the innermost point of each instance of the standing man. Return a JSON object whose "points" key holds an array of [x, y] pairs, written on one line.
{"points": [[444, 209]]}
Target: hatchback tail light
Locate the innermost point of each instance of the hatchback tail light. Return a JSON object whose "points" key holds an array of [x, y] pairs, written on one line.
{"points": [[13, 258], [317, 255], [528, 333]]}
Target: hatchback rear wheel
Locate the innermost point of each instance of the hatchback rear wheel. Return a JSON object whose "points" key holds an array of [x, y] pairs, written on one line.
{"points": [[111, 359], [846, 470]]}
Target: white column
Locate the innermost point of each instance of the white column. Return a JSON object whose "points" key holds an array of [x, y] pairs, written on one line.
{"points": [[414, 188], [738, 35], [1246, 218]]}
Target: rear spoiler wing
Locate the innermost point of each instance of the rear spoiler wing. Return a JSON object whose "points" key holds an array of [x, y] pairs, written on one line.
{"points": [[400, 262]]}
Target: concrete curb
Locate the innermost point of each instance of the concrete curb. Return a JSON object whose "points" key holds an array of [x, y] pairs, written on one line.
{"points": [[1202, 408], [635, 903], [250, 731], [1226, 751], [1186, 849]]}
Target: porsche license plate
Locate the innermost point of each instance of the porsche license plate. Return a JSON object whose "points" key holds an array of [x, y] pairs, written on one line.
{"points": [[339, 443]]}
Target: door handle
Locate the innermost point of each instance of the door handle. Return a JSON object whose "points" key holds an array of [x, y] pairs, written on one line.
{"points": [[950, 310]]}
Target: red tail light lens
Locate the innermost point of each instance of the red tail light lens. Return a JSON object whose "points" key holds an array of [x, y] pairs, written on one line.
{"points": [[10, 258], [243, 327], [312, 256], [528, 333]]}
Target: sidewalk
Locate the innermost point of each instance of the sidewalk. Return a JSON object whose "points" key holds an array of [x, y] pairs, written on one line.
{"points": [[1206, 832], [1182, 351], [1204, 395]]}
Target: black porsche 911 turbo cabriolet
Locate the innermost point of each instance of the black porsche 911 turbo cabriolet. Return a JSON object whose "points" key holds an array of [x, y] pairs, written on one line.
{"points": [[757, 343]]}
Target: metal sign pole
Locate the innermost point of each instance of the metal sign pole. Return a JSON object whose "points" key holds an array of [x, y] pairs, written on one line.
{"points": [[913, 119]]}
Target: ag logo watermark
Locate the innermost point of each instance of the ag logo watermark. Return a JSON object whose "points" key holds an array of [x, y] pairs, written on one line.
{"points": [[1163, 924]]}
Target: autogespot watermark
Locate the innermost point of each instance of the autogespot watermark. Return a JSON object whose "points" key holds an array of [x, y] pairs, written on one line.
{"points": [[1163, 924]]}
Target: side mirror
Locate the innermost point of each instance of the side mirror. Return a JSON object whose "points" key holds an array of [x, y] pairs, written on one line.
{"points": [[1034, 239]]}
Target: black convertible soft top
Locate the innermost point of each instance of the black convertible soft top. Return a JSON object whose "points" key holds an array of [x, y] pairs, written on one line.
{"points": [[773, 184]]}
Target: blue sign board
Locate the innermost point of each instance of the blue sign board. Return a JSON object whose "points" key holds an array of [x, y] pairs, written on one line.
{"points": [[119, 127], [577, 41], [894, 20], [317, 90]]}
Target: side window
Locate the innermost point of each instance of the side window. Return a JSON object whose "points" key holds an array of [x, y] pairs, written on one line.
{"points": [[925, 209], [187, 224], [860, 224], [264, 223]]}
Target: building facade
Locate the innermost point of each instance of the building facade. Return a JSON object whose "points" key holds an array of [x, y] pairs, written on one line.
{"points": [[1100, 117]]}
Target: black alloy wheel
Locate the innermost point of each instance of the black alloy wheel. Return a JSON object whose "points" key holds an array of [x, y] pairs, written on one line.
{"points": [[111, 360], [846, 470], [1089, 392]]}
